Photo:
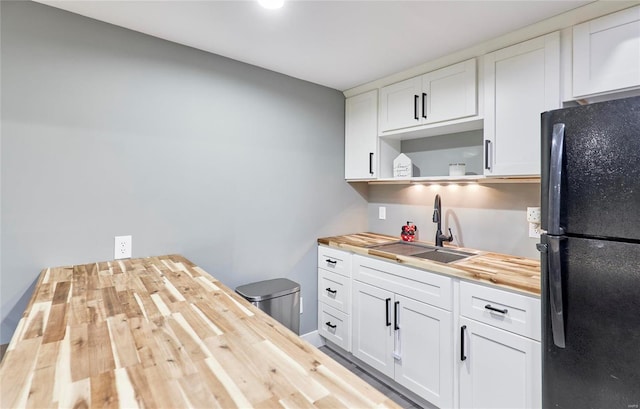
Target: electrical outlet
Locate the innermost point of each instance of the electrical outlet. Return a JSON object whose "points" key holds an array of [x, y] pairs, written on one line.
{"points": [[533, 215], [535, 230], [382, 213], [301, 304], [122, 247]]}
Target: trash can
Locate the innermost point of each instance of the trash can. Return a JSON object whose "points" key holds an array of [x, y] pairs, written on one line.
{"points": [[279, 297]]}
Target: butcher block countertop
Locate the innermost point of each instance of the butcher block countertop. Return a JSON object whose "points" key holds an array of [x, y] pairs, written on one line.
{"points": [[161, 332], [501, 270]]}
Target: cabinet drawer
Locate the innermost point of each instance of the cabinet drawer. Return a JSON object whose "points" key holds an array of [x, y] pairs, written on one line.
{"points": [[334, 290], [334, 326], [516, 313], [417, 284], [334, 260]]}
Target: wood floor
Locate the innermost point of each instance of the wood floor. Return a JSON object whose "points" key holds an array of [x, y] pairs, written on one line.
{"points": [[399, 399]]}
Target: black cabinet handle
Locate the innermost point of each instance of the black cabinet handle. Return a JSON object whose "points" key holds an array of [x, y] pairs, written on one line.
{"points": [[331, 261], [415, 107], [395, 315], [388, 321], [329, 290], [424, 105], [487, 165], [328, 324], [371, 163], [489, 307], [555, 181], [462, 356], [554, 271]]}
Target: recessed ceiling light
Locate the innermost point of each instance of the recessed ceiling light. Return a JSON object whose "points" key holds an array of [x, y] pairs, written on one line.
{"points": [[271, 4]]}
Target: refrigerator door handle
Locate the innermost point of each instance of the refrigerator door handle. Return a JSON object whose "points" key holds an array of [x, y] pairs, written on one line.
{"points": [[555, 290], [555, 180]]}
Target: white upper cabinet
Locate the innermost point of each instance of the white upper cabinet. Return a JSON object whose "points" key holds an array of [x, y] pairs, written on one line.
{"points": [[400, 104], [450, 93], [361, 136], [442, 95], [521, 82], [606, 53]]}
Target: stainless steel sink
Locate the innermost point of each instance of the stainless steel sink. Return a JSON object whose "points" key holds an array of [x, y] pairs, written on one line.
{"points": [[405, 248], [444, 256], [439, 254]]}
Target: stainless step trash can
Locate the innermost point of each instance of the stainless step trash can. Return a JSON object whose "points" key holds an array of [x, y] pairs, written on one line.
{"points": [[279, 297]]}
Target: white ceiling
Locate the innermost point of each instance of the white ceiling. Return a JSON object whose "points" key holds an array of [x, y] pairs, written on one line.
{"points": [[339, 44]]}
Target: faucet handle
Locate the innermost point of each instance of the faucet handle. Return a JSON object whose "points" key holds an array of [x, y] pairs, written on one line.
{"points": [[450, 238]]}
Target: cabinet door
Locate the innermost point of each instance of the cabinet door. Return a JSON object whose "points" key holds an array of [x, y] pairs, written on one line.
{"points": [[372, 326], [361, 136], [606, 53], [400, 104], [501, 369], [521, 82], [449, 93], [424, 348]]}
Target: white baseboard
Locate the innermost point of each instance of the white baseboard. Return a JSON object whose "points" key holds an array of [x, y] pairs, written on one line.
{"points": [[313, 338]]}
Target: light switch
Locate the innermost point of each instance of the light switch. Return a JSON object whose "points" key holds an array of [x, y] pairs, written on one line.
{"points": [[382, 213]]}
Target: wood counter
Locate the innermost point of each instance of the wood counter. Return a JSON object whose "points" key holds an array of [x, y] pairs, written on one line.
{"points": [[161, 332], [512, 272]]}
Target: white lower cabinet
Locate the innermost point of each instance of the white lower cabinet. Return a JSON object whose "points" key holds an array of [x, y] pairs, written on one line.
{"points": [[498, 368], [400, 321], [423, 348], [373, 327], [333, 325], [334, 296], [405, 339]]}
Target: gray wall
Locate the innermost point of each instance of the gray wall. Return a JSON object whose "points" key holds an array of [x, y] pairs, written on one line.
{"points": [[431, 156], [485, 217], [109, 132]]}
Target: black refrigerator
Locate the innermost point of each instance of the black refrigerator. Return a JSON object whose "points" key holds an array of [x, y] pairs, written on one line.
{"points": [[590, 256]]}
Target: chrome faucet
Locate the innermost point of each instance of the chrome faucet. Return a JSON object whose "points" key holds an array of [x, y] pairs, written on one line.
{"points": [[437, 218]]}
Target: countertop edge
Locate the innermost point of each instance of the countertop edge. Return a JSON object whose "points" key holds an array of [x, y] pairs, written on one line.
{"points": [[502, 271]]}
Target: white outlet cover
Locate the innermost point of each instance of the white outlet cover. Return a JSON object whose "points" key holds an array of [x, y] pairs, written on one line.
{"points": [[534, 230], [533, 214], [122, 247], [382, 213]]}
